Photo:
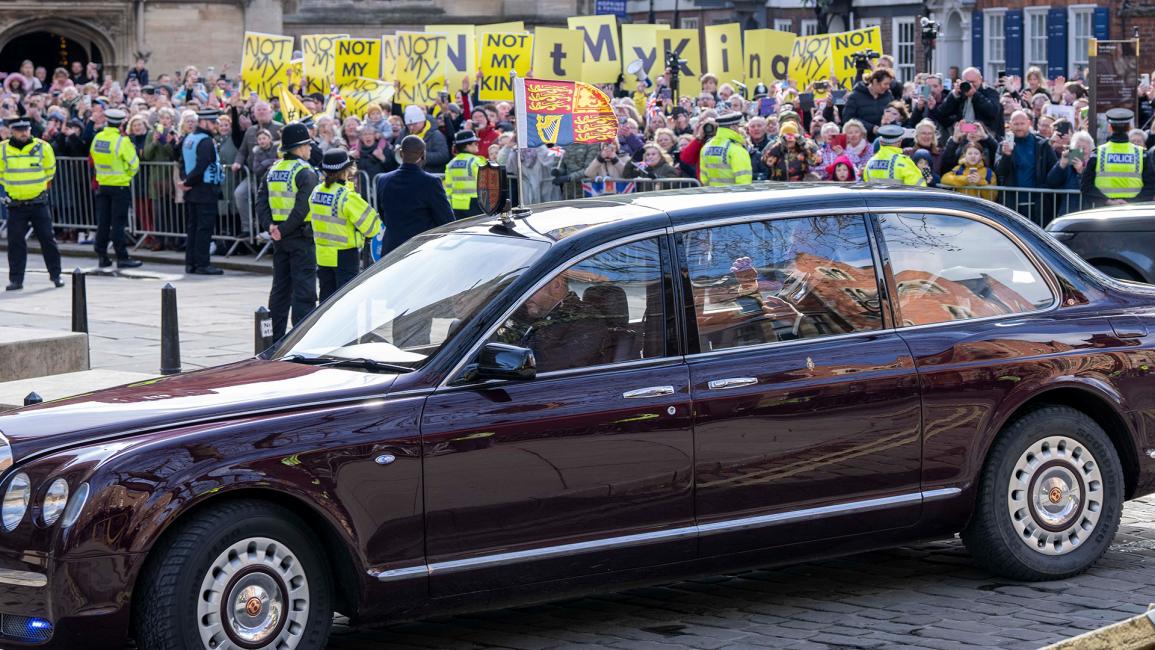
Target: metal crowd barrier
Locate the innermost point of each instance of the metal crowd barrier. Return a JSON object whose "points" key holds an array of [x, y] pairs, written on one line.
{"points": [[1040, 205], [158, 208], [71, 197]]}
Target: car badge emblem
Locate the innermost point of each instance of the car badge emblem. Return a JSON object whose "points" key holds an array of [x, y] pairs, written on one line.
{"points": [[253, 606], [1056, 494], [809, 363]]}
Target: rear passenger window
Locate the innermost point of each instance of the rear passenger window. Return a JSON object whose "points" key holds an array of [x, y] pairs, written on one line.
{"points": [[951, 268], [781, 280]]}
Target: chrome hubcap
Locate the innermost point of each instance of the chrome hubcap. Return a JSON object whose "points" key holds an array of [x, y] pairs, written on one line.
{"points": [[1055, 496], [254, 595]]}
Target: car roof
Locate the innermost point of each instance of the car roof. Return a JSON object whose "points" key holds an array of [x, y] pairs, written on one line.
{"points": [[1145, 209], [621, 214]]}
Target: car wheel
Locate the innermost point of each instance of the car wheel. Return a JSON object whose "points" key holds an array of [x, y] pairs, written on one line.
{"points": [[1118, 272], [242, 575], [1050, 497]]}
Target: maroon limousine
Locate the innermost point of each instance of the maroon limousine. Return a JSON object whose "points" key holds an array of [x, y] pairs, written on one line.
{"points": [[596, 393]]}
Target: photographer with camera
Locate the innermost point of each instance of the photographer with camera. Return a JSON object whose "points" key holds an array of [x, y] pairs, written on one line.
{"points": [[971, 100]]}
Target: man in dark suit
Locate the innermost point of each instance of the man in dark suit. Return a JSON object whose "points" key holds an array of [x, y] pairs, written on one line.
{"points": [[411, 201]]}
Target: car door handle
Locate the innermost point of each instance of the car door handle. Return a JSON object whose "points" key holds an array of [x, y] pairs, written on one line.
{"points": [[651, 391], [732, 382]]}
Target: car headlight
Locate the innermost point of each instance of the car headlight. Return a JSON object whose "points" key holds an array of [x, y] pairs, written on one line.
{"points": [[54, 501], [16, 501], [75, 506]]}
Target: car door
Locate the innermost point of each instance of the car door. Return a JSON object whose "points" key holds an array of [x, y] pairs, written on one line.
{"points": [[968, 300], [806, 402], [586, 468]]}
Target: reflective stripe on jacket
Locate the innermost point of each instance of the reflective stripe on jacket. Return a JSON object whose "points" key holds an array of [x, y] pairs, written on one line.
{"points": [[341, 219], [25, 172], [114, 158]]}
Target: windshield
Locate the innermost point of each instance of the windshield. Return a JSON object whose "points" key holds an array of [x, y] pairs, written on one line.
{"points": [[403, 309]]}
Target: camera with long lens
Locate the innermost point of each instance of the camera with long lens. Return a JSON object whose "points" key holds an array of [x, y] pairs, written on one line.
{"points": [[862, 61], [675, 66]]}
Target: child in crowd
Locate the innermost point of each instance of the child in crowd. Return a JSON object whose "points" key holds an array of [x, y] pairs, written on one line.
{"points": [[971, 172]]}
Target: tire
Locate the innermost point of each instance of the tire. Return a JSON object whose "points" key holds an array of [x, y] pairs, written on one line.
{"points": [[1118, 272], [258, 553], [1060, 532]]}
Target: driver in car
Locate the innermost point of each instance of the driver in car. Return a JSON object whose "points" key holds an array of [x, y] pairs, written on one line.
{"points": [[562, 330]]}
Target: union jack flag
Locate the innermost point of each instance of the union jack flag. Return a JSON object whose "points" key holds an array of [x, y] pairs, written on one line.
{"points": [[600, 186]]}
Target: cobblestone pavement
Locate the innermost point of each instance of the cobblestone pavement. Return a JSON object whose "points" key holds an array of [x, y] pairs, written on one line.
{"points": [[930, 596]]}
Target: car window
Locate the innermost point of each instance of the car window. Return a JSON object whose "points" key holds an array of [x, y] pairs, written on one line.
{"points": [[607, 308], [951, 268], [782, 280]]}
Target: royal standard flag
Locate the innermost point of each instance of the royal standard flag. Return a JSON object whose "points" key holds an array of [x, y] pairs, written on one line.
{"points": [[562, 113]]}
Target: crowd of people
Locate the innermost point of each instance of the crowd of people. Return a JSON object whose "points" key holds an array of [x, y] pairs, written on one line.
{"points": [[959, 131]]}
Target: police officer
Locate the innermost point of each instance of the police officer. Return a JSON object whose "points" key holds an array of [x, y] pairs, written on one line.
{"points": [[202, 173], [283, 209], [890, 166], [461, 175], [115, 161], [342, 221], [27, 166], [1118, 172], [725, 160]]}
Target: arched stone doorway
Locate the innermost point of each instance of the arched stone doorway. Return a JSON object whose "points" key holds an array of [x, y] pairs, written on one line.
{"points": [[53, 43]]}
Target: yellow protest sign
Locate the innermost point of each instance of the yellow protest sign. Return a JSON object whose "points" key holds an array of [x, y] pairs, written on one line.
{"points": [[295, 74], [767, 56], [420, 61], [460, 52], [291, 108], [361, 93], [844, 44], [501, 53], [810, 60], [318, 50], [684, 44], [264, 63], [389, 57], [508, 28], [357, 57], [640, 41], [602, 60], [724, 52], [557, 53]]}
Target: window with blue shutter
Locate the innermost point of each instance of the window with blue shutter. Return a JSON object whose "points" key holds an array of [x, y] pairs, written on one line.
{"points": [[1101, 24], [1013, 31], [977, 42], [1057, 43]]}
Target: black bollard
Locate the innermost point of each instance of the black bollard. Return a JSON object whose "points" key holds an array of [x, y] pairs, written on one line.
{"points": [[169, 332], [79, 302], [32, 398], [262, 330]]}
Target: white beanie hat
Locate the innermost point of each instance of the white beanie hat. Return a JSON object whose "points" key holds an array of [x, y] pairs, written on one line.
{"points": [[414, 115]]}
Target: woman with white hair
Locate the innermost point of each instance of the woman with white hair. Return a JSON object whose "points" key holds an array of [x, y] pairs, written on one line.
{"points": [[1068, 172]]}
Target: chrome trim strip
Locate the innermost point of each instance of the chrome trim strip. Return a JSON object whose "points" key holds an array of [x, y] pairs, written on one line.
{"points": [[732, 382], [697, 530], [23, 578], [456, 370], [746, 218], [807, 514], [652, 391]]}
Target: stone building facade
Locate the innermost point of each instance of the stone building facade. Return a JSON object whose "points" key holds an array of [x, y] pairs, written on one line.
{"points": [[176, 33]]}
